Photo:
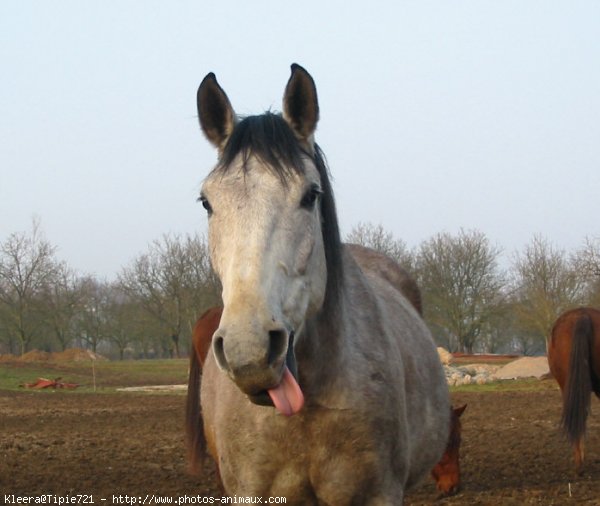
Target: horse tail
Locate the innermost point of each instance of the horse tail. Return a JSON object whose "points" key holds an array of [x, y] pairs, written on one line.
{"points": [[577, 396], [196, 441]]}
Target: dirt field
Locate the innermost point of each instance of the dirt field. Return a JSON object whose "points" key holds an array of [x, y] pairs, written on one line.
{"points": [[132, 444]]}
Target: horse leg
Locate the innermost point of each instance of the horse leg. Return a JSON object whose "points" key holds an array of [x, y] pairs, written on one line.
{"points": [[579, 455]]}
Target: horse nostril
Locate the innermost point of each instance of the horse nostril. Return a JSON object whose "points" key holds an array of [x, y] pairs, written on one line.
{"points": [[278, 343], [220, 352]]}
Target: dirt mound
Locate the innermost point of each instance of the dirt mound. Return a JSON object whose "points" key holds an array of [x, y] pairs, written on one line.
{"points": [[526, 367], [35, 356], [69, 355]]}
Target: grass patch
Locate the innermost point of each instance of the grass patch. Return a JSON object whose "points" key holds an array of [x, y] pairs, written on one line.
{"points": [[110, 375], [521, 385]]}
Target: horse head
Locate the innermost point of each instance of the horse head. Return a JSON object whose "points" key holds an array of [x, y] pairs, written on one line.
{"points": [[264, 201], [446, 473]]}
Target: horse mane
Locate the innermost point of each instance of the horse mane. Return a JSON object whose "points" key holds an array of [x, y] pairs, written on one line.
{"points": [[269, 138]]}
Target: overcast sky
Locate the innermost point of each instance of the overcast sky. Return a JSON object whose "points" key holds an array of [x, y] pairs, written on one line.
{"points": [[435, 115]]}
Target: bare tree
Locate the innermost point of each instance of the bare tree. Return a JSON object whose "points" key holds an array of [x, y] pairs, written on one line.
{"points": [[379, 239], [498, 333], [588, 258], [27, 268], [62, 303], [587, 262], [92, 325], [546, 283], [462, 287], [122, 322], [202, 282], [172, 282]]}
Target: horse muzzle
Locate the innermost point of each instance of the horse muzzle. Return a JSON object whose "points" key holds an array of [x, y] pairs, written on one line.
{"points": [[267, 375]]}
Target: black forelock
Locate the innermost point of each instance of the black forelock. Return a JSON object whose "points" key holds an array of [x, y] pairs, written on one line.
{"points": [[269, 138]]}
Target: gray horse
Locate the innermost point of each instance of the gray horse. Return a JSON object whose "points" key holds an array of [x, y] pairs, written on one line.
{"points": [[323, 384]]}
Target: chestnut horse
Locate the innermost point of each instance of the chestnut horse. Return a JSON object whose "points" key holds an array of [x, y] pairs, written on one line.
{"points": [[574, 360], [323, 383], [202, 335], [446, 472]]}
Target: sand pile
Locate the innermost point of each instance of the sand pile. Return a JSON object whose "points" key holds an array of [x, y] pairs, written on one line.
{"points": [[34, 356], [526, 367]]}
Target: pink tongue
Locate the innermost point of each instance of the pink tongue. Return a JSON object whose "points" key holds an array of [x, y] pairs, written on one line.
{"points": [[287, 396]]}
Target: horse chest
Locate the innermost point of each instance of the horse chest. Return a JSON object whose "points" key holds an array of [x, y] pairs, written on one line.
{"points": [[333, 458]]}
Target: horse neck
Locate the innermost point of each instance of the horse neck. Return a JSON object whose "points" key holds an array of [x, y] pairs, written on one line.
{"points": [[325, 349], [321, 337]]}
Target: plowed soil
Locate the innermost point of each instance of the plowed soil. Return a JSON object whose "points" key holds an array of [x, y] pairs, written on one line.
{"points": [[107, 446]]}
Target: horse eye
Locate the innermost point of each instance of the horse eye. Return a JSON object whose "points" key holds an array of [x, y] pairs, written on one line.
{"points": [[206, 205], [310, 197]]}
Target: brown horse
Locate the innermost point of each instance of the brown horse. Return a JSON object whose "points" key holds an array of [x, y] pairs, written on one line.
{"points": [[574, 360], [202, 335], [203, 331], [446, 472]]}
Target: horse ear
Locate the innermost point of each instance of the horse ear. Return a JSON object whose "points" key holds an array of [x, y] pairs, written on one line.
{"points": [[460, 411], [300, 104], [216, 115]]}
